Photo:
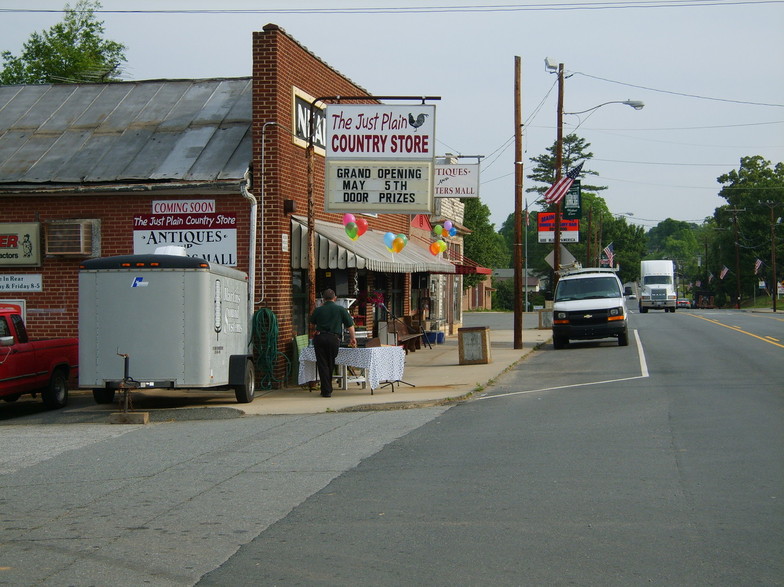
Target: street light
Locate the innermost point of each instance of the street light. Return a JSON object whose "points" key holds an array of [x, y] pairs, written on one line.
{"points": [[551, 66], [636, 104]]}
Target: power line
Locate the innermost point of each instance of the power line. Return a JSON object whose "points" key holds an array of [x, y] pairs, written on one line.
{"points": [[535, 6], [684, 94]]}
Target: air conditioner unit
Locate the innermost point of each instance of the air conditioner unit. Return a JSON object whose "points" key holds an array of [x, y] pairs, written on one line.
{"points": [[73, 237]]}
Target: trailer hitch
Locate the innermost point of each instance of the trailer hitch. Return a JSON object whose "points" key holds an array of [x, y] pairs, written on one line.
{"points": [[128, 383]]}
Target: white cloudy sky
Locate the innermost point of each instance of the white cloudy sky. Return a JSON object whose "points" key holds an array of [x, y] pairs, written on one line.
{"points": [[709, 72]]}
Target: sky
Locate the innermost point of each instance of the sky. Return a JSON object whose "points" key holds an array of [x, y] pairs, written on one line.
{"points": [[710, 72]]}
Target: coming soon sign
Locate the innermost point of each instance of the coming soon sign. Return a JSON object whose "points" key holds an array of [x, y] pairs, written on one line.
{"points": [[380, 158]]}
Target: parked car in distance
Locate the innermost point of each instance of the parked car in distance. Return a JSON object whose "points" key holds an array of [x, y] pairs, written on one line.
{"points": [[683, 303]]}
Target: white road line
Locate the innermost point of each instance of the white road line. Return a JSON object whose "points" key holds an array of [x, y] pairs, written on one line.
{"points": [[643, 375]]}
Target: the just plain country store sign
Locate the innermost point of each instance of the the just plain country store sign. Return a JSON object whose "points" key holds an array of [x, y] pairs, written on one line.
{"points": [[379, 158]]}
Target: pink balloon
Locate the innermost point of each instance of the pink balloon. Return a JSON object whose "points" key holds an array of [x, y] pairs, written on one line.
{"points": [[348, 218]]}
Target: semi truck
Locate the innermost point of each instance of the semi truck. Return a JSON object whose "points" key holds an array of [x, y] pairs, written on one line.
{"points": [[163, 321], [657, 286], [34, 366]]}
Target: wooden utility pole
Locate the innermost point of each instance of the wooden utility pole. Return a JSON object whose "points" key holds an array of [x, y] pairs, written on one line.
{"points": [[558, 174], [518, 215]]}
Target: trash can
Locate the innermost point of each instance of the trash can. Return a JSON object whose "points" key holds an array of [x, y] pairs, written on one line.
{"points": [[432, 336], [440, 337], [474, 345]]}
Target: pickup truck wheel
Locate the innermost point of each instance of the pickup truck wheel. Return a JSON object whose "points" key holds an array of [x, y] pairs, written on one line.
{"points": [[103, 395], [56, 394], [247, 390]]}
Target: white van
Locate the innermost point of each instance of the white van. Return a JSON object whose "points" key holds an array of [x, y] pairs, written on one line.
{"points": [[589, 304]]}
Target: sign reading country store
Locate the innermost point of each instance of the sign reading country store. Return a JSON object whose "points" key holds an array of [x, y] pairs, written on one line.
{"points": [[380, 158]]}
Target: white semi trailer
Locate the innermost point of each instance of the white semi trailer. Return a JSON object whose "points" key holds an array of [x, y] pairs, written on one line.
{"points": [[163, 321], [657, 286]]}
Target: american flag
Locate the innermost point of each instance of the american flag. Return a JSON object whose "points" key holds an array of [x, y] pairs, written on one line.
{"points": [[558, 190], [724, 272], [610, 252], [710, 277], [757, 265]]}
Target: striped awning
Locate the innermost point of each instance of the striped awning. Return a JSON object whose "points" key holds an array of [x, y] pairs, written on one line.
{"points": [[335, 250]]}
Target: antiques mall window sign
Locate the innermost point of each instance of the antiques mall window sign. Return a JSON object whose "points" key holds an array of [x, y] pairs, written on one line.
{"points": [[194, 225]]}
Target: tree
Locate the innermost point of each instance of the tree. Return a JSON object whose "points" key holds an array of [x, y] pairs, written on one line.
{"points": [[744, 225], [484, 245], [72, 51], [575, 149]]}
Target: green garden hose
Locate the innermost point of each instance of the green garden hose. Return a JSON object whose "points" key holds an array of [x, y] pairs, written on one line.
{"points": [[265, 348]]}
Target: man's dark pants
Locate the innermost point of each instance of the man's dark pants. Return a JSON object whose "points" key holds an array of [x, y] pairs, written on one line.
{"points": [[326, 347]]}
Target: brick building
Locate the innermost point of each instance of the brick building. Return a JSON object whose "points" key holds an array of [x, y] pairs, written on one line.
{"points": [[218, 166]]}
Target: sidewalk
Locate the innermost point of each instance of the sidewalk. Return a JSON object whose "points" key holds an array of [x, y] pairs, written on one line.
{"points": [[435, 372]]}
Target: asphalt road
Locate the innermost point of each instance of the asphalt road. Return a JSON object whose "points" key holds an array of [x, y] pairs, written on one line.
{"points": [[656, 463]]}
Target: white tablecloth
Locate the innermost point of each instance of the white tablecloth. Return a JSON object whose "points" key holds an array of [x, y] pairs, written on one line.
{"points": [[381, 363]]}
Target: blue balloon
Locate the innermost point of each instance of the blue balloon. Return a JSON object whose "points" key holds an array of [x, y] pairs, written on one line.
{"points": [[389, 238]]}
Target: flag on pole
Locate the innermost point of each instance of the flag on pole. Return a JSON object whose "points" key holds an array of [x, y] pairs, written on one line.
{"points": [[710, 277], [724, 272], [610, 252], [558, 190], [757, 265]]}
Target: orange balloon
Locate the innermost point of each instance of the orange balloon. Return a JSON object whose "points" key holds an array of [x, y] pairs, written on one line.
{"points": [[398, 244], [434, 248]]}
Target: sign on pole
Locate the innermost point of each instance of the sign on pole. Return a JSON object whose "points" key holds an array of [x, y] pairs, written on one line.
{"points": [[572, 203], [570, 229], [380, 158], [457, 180]]}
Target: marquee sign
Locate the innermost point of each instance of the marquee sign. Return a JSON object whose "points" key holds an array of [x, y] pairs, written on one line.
{"points": [[379, 158], [570, 229]]}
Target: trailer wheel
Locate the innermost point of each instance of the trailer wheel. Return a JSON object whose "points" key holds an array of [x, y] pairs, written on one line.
{"points": [[247, 390], [103, 395], [56, 393]]}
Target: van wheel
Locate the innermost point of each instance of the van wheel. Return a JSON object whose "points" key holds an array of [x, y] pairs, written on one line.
{"points": [[560, 342], [623, 338], [103, 395], [55, 395], [245, 392]]}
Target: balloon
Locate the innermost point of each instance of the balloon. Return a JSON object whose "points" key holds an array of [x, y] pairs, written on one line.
{"points": [[434, 248], [398, 244], [442, 244], [389, 238], [448, 225], [438, 229], [348, 218], [404, 238], [351, 230], [362, 226], [452, 231]]}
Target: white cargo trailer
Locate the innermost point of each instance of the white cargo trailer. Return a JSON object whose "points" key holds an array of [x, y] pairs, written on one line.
{"points": [[163, 321]]}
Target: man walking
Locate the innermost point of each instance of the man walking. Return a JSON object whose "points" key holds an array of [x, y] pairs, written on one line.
{"points": [[329, 319]]}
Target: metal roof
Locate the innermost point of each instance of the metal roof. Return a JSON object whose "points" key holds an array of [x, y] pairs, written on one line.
{"points": [[162, 131]]}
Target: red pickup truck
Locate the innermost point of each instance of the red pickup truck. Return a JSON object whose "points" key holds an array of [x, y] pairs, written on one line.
{"points": [[34, 366]]}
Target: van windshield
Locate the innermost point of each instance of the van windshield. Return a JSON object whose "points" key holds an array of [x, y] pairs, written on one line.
{"points": [[587, 289], [657, 280]]}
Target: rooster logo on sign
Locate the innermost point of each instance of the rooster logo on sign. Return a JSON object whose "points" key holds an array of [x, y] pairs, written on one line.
{"points": [[418, 121]]}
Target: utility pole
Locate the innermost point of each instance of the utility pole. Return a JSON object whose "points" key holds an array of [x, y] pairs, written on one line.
{"points": [[558, 174], [737, 255], [518, 229], [775, 291]]}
